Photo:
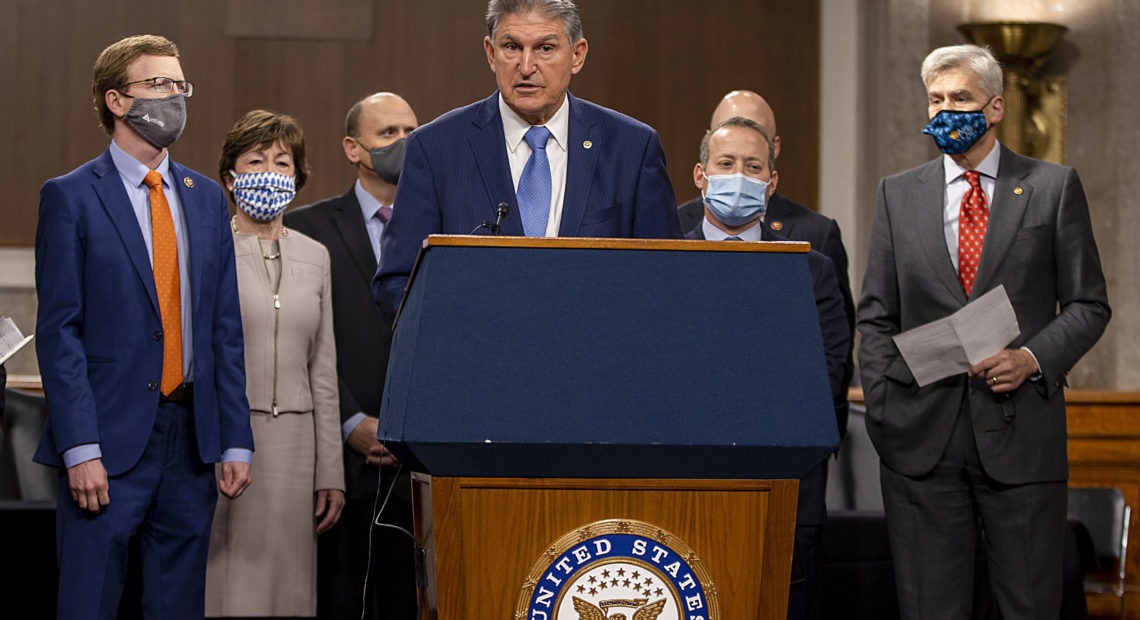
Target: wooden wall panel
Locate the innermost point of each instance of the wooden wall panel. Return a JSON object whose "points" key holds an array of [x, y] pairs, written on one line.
{"points": [[666, 64], [1104, 451]]}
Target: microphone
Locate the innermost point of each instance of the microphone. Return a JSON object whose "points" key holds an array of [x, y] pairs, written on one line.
{"points": [[501, 211]]}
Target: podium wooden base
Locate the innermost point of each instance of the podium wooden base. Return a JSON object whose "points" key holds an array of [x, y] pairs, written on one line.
{"points": [[482, 538]]}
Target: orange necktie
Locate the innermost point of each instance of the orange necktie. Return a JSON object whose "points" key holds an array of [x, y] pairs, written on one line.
{"points": [[166, 282], [972, 219]]}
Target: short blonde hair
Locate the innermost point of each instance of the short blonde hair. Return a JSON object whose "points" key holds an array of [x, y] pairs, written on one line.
{"points": [[110, 71]]}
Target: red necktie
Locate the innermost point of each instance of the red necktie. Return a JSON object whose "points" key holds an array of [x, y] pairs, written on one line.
{"points": [[166, 282], [972, 219]]}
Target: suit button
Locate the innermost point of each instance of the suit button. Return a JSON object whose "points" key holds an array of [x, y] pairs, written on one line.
{"points": [[152, 386], [157, 335]]}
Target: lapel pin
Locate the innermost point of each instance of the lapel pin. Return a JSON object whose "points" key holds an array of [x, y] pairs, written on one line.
{"points": [[587, 144], [1018, 191], [188, 182], [776, 226]]}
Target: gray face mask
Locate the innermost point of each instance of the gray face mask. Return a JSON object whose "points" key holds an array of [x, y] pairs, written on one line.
{"points": [[388, 160], [159, 121]]}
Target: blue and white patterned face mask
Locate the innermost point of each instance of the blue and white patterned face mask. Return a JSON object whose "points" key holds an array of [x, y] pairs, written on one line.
{"points": [[263, 195]]}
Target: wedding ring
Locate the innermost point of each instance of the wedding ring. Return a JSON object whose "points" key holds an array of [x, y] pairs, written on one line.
{"points": [[993, 380]]}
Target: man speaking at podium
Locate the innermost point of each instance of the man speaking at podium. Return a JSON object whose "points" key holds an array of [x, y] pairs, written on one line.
{"points": [[562, 166]]}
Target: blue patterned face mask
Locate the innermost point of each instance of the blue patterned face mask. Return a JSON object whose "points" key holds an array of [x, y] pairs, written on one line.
{"points": [[736, 199], [955, 131], [263, 195]]}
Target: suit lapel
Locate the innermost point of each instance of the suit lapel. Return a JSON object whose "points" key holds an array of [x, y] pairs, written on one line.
{"points": [[1010, 200], [109, 187], [580, 164], [195, 213], [490, 151], [929, 199], [776, 217], [349, 222]]}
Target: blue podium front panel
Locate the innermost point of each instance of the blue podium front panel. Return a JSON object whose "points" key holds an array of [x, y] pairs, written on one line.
{"points": [[593, 362]]}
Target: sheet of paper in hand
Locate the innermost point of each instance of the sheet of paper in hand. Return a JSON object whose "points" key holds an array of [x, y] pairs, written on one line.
{"points": [[949, 346]]}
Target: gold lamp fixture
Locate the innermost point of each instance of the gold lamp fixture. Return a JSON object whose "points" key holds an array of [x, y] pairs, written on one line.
{"points": [[1035, 102]]}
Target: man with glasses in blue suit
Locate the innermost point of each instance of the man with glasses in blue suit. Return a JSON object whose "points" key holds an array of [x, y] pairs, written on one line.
{"points": [[140, 348]]}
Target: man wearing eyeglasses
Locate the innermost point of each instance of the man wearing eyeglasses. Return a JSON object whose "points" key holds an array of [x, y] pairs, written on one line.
{"points": [[140, 348]]}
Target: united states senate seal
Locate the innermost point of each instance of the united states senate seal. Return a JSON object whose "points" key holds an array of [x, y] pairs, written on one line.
{"points": [[618, 569]]}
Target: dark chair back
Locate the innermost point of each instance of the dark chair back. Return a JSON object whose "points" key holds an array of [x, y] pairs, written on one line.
{"points": [[1102, 512], [21, 423], [1105, 514]]}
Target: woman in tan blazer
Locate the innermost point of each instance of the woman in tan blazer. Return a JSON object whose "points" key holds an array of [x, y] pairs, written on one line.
{"points": [[263, 549]]}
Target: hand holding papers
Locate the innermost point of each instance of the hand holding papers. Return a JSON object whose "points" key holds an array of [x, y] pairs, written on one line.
{"points": [[949, 346], [11, 340]]}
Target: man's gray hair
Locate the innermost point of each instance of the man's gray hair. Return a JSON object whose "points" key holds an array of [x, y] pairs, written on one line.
{"points": [[747, 123], [973, 57], [564, 9]]}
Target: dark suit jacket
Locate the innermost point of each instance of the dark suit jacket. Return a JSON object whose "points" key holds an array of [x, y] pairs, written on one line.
{"points": [[98, 332], [456, 172], [362, 338], [812, 508], [796, 222], [1039, 244]]}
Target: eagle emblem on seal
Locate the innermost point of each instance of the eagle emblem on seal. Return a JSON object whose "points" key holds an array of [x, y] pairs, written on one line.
{"points": [[643, 611]]}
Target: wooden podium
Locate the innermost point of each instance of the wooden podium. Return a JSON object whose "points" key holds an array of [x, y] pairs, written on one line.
{"points": [[598, 431]]}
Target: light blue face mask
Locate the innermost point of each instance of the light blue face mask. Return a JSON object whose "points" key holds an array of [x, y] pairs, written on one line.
{"points": [[263, 195], [736, 199]]}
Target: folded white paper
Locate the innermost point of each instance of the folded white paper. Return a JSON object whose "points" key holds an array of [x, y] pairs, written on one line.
{"points": [[949, 346], [11, 340]]}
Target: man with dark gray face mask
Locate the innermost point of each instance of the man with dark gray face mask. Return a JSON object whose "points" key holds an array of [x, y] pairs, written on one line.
{"points": [[350, 226]]}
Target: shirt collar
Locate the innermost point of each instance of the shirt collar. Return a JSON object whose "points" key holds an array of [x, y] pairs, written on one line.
{"points": [[712, 233], [514, 127], [134, 171], [368, 203], [988, 166]]}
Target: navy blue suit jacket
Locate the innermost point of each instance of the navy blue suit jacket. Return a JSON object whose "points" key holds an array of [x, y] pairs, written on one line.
{"points": [[456, 173], [98, 332]]}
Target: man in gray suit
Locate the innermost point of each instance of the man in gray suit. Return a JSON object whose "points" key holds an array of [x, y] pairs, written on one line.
{"points": [[985, 448]]}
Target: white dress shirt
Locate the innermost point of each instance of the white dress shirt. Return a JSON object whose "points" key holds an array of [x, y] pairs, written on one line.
{"points": [[518, 152]]}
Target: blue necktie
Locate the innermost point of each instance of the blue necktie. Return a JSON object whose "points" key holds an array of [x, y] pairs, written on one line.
{"points": [[534, 185]]}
